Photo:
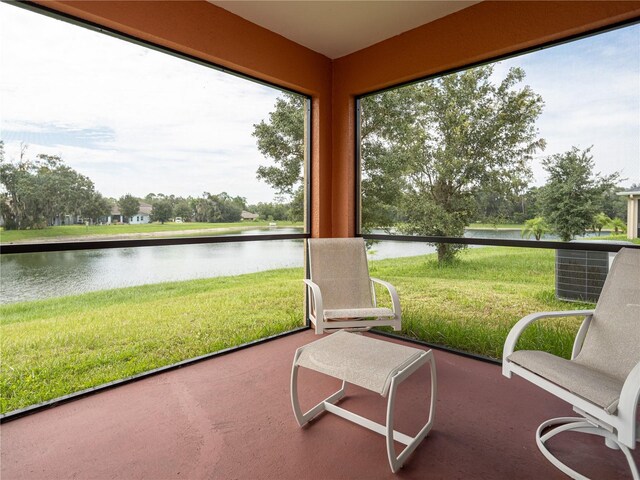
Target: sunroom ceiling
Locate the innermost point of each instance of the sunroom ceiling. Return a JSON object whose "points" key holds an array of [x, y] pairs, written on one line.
{"points": [[338, 28]]}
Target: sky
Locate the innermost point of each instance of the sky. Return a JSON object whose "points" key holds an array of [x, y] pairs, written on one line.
{"points": [[132, 119], [135, 120], [591, 90]]}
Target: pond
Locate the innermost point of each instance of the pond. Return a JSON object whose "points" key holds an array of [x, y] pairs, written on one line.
{"points": [[36, 276]]}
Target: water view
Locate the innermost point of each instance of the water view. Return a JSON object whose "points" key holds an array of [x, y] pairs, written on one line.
{"points": [[37, 276]]}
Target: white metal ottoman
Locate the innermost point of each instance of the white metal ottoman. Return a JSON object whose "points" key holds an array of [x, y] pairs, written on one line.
{"points": [[376, 365]]}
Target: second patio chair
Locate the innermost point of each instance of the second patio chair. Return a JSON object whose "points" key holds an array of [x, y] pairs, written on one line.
{"points": [[341, 292], [602, 379]]}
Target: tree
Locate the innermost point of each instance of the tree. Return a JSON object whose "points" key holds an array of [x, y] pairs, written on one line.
{"points": [[295, 208], [498, 209], [427, 149], [530, 201], [41, 192], [218, 208], [387, 131], [614, 205], [66, 191], [600, 221], [536, 227], [96, 207], [161, 211], [129, 206], [618, 225], [183, 210], [466, 135], [270, 210], [281, 139], [572, 195], [230, 208]]}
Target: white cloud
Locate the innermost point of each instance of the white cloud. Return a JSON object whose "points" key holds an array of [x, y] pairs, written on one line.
{"points": [[591, 89], [174, 126], [167, 125]]}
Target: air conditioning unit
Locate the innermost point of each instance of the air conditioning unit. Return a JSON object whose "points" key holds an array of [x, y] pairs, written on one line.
{"points": [[580, 274]]}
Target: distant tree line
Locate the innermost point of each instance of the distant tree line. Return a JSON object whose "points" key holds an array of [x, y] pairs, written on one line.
{"points": [[41, 192], [216, 208]]}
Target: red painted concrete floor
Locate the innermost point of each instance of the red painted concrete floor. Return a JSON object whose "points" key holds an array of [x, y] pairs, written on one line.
{"points": [[231, 418]]}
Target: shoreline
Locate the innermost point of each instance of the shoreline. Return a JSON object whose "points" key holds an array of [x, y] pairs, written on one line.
{"points": [[128, 236], [197, 231]]}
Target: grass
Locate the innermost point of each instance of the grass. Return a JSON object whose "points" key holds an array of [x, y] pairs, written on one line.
{"points": [[616, 237], [472, 304], [66, 232], [54, 347], [495, 226]]}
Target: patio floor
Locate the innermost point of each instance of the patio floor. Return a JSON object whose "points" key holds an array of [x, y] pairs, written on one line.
{"points": [[230, 417]]}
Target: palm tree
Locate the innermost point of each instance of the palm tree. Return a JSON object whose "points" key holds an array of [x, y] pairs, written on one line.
{"points": [[600, 221], [536, 227], [618, 225]]}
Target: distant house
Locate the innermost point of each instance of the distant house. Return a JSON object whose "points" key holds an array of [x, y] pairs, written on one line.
{"points": [[143, 215], [633, 212], [248, 216]]}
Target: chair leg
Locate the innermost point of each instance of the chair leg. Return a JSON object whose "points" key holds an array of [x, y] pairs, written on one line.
{"points": [[329, 405], [304, 418], [397, 326], [577, 424], [396, 461]]}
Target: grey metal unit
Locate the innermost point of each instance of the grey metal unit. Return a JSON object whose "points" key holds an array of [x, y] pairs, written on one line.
{"points": [[580, 275]]}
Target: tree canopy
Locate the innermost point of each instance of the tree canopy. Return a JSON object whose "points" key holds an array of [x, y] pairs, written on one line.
{"points": [[431, 148], [427, 149], [161, 210], [40, 192], [129, 206], [572, 196], [218, 208], [281, 139]]}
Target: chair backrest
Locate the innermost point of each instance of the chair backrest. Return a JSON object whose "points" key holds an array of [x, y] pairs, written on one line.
{"points": [[339, 267], [612, 343]]}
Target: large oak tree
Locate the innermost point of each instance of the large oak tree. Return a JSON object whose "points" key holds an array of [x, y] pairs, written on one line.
{"points": [[427, 149], [464, 135]]}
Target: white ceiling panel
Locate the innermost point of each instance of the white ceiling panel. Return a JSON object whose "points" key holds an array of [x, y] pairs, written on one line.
{"points": [[337, 28]]}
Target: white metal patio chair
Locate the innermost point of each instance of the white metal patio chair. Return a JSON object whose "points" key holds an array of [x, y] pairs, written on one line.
{"points": [[602, 379], [341, 291]]}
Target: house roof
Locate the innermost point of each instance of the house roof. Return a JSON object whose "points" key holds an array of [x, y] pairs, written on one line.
{"points": [[248, 215], [145, 209], [629, 193], [338, 28]]}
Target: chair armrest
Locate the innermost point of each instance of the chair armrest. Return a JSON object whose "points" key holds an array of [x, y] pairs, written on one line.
{"points": [[317, 297], [395, 300], [582, 333], [522, 324], [627, 406]]}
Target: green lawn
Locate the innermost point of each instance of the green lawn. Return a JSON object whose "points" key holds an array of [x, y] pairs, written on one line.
{"points": [[472, 304], [68, 232], [491, 226], [54, 347], [616, 237]]}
